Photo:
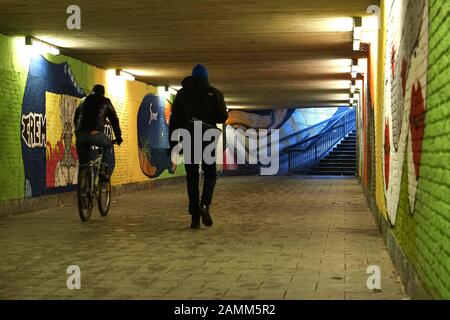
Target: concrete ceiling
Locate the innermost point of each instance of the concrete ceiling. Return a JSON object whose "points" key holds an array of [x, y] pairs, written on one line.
{"points": [[261, 54]]}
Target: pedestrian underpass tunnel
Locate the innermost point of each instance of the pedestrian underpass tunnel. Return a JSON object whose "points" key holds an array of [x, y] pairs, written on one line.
{"points": [[333, 165]]}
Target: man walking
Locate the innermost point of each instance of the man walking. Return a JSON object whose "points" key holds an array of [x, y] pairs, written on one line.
{"points": [[198, 101]]}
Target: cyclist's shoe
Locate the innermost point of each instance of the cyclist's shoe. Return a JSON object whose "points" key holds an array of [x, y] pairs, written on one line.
{"points": [[103, 173], [206, 216], [103, 177]]}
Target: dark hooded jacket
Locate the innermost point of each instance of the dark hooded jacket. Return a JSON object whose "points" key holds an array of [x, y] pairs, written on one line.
{"points": [[197, 99], [92, 113]]}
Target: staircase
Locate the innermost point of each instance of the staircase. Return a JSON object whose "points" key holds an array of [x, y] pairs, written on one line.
{"points": [[341, 161]]}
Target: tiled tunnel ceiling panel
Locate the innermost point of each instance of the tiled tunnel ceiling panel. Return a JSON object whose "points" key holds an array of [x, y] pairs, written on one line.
{"points": [[253, 49]]}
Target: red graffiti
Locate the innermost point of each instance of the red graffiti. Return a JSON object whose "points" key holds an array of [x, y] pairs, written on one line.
{"points": [[387, 152], [53, 157], [393, 61], [404, 75], [417, 124], [73, 152]]}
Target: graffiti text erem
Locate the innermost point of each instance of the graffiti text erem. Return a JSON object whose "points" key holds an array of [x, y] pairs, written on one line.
{"points": [[34, 130]]}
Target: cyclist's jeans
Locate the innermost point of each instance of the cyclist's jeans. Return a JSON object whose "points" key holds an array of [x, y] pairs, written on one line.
{"points": [[86, 140]]}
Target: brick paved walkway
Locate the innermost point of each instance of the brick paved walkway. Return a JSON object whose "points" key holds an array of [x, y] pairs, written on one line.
{"points": [[273, 238]]}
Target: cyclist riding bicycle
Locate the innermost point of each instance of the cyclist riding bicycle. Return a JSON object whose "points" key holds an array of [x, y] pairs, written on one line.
{"points": [[90, 120]]}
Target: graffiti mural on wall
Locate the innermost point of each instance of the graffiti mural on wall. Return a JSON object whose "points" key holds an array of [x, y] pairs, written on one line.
{"points": [[153, 136], [405, 92], [265, 119], [61, 154], [47, 132], [50, 97]]}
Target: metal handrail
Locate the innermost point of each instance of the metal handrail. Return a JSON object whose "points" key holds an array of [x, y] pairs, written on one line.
{"points": [[323, 142]]}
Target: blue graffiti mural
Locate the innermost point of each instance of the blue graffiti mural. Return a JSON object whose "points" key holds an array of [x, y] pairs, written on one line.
{"points": [[47, 134], [153, 135]]}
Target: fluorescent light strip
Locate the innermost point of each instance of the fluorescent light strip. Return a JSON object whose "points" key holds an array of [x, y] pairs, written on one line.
{"points": [[41, 46], [125, 75], [357, 33], [355, 68]]}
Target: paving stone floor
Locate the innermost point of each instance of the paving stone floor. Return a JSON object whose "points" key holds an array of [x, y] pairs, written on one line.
{"points": [[273, 238]]}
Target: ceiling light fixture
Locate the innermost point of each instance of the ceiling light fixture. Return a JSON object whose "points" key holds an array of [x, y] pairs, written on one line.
{"points": [[357, 33], [352, 100], [41, 46], [357, 28], [355, 68], [170, 90], [173, 90], [126, 75], [353, 86]]}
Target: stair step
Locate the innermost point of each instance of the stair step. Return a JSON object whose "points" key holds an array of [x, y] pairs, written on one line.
{"points": [[341, 156], [331, 173], [337, 165], [343, 153], [335, 169], [346, 161], [339, 148], [338, 162], [345, 146]]}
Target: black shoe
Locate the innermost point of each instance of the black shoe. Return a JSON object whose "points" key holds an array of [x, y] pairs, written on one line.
{"points": [[206, 216], [103, 173], [103, 177], [195, 224]]}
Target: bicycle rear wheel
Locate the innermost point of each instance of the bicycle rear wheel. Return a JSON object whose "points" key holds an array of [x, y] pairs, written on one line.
{"points": [[104, 197], [85, 204]]}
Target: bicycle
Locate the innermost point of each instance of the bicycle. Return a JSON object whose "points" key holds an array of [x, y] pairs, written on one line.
{"points": [[91, 188]]}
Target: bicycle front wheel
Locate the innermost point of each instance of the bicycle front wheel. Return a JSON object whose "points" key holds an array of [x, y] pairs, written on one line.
{"points": [[85, 204], [104, 197]]}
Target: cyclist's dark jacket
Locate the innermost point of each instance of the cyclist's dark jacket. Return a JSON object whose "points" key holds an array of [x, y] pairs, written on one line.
{"points": [[92, 113], [202, 101]]}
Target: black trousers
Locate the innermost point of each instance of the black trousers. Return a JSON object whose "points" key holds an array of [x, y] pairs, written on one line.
{"points": [[193, 181]]}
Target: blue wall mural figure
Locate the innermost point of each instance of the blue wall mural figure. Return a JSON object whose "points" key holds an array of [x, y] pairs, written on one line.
{"points": [[153, 135]]}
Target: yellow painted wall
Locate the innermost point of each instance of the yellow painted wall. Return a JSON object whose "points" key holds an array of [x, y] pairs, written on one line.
{"points": [[126, 97]]}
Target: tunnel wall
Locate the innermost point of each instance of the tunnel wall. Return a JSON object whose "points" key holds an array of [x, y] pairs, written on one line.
{"points": [[409, 148], [38, 97]]}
